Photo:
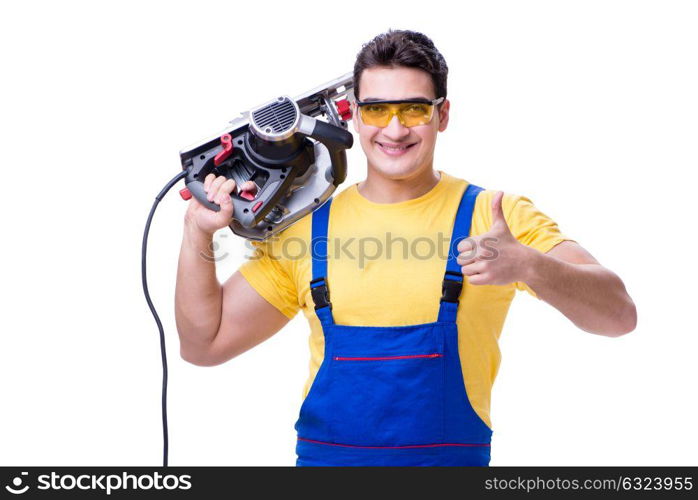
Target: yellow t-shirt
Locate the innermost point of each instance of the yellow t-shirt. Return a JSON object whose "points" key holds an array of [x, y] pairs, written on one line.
{"points": [[385, 266]]}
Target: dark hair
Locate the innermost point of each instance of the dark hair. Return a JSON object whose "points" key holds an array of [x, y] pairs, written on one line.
{"points": [[403, 48]]}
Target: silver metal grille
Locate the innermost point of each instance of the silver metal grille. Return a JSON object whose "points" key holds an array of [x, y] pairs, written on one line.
{"points": [[276, 117]]}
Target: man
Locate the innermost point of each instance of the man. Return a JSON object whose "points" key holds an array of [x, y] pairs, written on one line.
{"points": [[405, 310]]}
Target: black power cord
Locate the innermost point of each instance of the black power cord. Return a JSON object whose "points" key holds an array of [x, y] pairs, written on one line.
{"points": [[159, 198]]}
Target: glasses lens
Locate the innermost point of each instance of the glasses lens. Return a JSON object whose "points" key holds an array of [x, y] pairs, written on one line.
{"points": [[414, 114], [376, 115]]}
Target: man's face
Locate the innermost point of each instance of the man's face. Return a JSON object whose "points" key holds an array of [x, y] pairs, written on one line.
{"points": [[394, 84]]}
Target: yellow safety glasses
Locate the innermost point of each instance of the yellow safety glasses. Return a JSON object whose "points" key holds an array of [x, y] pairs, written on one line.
{"points": [[410, 112]]}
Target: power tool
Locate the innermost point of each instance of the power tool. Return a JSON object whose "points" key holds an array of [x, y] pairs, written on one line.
{"points": [[295, 159]]}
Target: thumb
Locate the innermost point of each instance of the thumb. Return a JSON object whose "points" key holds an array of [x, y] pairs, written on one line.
{"points": [[497, 210]]}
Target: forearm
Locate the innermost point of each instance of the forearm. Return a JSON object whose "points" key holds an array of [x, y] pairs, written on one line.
{"points": [[198, 294], [592, 297]]}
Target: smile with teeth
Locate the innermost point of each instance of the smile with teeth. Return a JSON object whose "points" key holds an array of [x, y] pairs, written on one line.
{"points": [[394, 150]]}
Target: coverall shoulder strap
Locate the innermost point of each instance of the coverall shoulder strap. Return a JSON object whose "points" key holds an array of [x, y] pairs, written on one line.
{"points": [[318, 249], [453, 277], [318, 242]]}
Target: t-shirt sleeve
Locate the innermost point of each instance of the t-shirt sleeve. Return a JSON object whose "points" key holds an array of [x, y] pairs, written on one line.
{"points": [[264, 271], [535, 229]]}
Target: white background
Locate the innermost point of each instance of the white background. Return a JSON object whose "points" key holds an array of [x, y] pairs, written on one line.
{"points": [[587, 107]]}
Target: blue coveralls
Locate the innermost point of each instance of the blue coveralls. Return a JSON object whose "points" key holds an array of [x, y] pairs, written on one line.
{"points": [[391, 395]]}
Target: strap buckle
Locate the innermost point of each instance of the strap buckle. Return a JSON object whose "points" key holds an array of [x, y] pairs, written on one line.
{"points": [[451, 287], [320, 293]]}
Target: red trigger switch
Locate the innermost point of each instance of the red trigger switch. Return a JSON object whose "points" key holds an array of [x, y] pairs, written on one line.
{"points": [[227, 143], [185, 194], [247, 195], [344, 109]]}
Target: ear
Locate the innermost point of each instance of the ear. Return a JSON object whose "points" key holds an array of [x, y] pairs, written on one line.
{"points": [[443, 115]]}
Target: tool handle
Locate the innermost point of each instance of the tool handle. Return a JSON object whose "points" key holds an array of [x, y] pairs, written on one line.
{"points": [[197, 189], [336, 139]]}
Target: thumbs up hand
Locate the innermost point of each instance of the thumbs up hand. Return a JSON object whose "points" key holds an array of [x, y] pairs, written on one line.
{"points": [[495, 257]]}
